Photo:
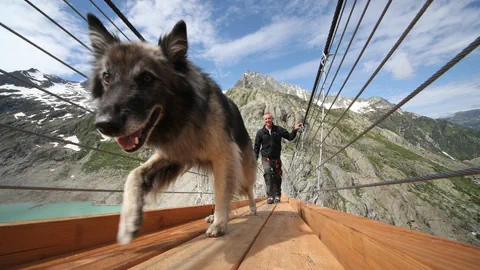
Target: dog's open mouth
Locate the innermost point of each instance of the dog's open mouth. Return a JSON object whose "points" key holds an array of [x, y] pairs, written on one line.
{"points": [[135, 140]]}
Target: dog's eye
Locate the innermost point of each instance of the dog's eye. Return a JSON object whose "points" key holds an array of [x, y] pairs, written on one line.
{"points": [[107, 78], [147, 78]]}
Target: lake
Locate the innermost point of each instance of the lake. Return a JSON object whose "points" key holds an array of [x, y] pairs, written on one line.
{"points": [[29, 211]]}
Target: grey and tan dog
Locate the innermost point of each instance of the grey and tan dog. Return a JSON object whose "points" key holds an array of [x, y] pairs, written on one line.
{"points": [[153, 95]]}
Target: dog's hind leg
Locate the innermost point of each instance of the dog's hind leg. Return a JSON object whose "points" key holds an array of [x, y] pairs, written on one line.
{"points": [[226, 170], [250, 171], [154, 174]]}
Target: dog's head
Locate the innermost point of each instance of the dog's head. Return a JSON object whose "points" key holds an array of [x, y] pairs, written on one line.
{"points": [[132, 83]]}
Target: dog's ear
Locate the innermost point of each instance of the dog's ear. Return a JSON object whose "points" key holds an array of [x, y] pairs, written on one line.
{"points": [[175, 44], [100, 38]]}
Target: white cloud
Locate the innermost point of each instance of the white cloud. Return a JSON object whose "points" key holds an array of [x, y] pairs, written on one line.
{"points": [[400, 67], [305, 70], [17, 54], [271, 37], [441, 100], [157, 17]]}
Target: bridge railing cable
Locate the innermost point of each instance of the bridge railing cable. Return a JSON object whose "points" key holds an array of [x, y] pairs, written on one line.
{"points": [[73, 143], [424, 178], [105, 15], [38, 188]]}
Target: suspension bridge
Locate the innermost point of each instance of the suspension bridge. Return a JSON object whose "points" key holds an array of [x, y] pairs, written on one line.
{"points": [[291, 234]]}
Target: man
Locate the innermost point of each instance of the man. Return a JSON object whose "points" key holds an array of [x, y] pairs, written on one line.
{"points": [[269, 138]]}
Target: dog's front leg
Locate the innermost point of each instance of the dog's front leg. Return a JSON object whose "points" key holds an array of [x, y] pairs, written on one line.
{"points": [[154, 174], [225, 172]]}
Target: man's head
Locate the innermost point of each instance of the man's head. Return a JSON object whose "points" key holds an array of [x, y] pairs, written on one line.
{"points": [[267, 119]]}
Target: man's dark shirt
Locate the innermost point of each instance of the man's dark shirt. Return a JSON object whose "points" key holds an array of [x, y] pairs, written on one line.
{"points": [[271, 144]]}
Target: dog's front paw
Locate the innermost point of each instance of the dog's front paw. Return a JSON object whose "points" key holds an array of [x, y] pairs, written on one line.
{"points": [[130, 222], [216, 230], [210, 219]]}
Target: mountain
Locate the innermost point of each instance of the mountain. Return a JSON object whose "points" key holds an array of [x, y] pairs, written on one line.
{"points": [[35, 161], [397, 149], [449, 208], [469, 119]]}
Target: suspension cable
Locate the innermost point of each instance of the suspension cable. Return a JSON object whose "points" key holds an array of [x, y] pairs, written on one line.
{"points": [[333, 60], [89, 189], [105, 15], [343, 58], [424, 178], [43, 90], [320, 68], [389, 54], [41, 49], [347, 50], [76, 11], [58, 25], [76, 144], [325, 52], [359, 56], [472, 46], [384, 61], [124, 19]]}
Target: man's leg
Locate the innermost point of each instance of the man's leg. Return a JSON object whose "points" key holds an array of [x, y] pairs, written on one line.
{"points": [[278, 180], [269, 179]]}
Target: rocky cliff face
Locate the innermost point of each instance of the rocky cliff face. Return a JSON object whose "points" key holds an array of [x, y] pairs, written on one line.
{"points": [[447, 208]]}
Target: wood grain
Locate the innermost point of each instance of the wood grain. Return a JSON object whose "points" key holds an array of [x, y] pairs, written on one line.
{"points": [[22, 242], [363, 243], [114, 256], [286, 242], [214, 253]]}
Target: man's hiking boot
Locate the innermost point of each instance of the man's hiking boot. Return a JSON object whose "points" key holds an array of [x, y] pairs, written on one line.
{"points": [[270, 200], [277, 200]]}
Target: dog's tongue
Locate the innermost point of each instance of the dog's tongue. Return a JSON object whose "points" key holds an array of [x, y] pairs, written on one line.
{"points": [[128, 142]]}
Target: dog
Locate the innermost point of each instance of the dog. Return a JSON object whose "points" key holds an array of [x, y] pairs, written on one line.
{"points": [[153, 95]]}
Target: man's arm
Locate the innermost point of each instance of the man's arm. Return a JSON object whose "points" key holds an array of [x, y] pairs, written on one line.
{"points": [[258, 142], [290, 136]]}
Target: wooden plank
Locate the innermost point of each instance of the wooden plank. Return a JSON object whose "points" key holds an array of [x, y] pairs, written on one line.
{"points": [[35, 240], [364, 243], [296, 205], [286, 242], [28, 241], [214, 253], [114, 256]]}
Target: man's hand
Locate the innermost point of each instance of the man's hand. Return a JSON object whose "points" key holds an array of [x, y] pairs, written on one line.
{"points": [[298, 126]]}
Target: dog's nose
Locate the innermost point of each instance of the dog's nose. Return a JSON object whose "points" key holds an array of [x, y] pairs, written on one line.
{"points": [[109, 126]]}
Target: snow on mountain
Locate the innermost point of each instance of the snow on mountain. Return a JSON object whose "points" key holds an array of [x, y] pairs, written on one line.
{"points": [[252, 79], [15, 89]]}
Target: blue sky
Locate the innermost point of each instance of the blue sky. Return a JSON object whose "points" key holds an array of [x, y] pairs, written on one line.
{"points": [[283, 39]]}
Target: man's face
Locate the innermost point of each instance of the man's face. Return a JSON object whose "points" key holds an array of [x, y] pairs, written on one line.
{"points": [[267, 118]]}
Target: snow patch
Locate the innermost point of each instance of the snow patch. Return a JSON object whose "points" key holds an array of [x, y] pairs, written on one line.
{"points": [[55, 144], [20, 114], [448, 155], [37, 76], [71, 146]]}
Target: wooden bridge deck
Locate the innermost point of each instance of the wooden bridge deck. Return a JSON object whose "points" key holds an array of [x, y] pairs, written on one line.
{"points": [[278, 237]]}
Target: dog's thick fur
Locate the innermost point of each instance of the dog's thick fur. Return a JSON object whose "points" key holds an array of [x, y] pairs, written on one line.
{"points": [[155, 91]]}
